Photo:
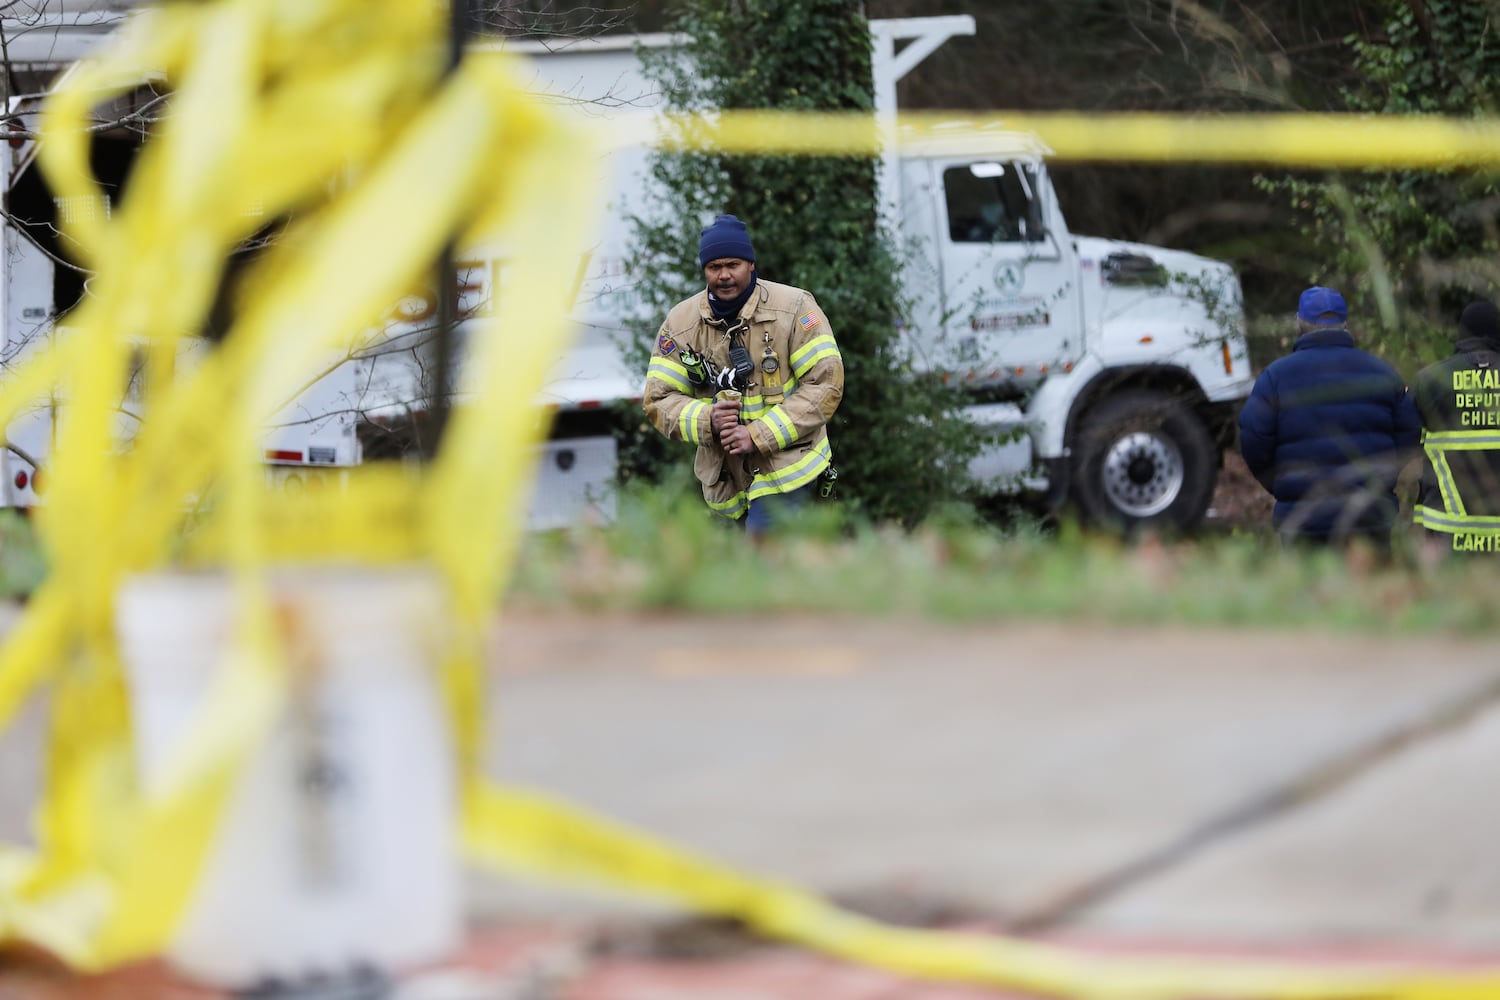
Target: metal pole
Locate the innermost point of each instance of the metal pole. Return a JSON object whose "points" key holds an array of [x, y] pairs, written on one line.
{"points": [[460, 28]]}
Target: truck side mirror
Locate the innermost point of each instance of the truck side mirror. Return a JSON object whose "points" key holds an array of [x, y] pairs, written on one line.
{"points": [[1033, 229]]}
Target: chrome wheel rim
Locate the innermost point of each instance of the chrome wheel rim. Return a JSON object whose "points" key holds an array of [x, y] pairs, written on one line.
{"points": [[1143, 474]]}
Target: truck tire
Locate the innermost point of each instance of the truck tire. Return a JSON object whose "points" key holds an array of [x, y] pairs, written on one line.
{"points": [[1143, 460]]}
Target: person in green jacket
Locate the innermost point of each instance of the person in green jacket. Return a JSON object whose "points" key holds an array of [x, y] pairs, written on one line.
{"points": [[1458, 400]]}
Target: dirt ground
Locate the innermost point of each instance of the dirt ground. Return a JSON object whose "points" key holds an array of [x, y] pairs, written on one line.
{"points": [[1238, 499]]}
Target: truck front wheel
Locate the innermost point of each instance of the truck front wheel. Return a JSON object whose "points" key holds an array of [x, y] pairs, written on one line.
{"points": [[1143, 460]]}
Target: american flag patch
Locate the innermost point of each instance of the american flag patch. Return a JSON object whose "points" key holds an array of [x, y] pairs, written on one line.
{"points": [[808, 322]]}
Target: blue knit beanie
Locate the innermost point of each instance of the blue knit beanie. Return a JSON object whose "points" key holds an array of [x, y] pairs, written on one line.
{"points": [[726, 236]]}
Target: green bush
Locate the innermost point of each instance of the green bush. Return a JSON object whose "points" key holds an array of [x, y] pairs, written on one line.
{"points": [[22, 565]]}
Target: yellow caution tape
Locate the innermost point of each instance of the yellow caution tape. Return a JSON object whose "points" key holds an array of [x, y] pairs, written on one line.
{"points": [[523, 831], [336, 116], [1327, 141], [385, 162]]}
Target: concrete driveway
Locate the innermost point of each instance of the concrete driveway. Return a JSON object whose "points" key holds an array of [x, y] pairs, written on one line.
{"points": [[1222, 786], [1221, 791]]}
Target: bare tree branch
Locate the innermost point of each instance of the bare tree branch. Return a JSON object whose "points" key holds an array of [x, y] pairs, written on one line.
{"points": [[544, 18], [22, 226]]}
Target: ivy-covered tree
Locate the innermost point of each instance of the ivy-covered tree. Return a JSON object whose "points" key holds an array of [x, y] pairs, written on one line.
{"points": [[899, 441], [1410, 248]]}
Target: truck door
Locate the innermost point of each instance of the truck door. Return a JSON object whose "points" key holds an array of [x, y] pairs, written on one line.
{"points": [[26, 302], [1012, 309]]}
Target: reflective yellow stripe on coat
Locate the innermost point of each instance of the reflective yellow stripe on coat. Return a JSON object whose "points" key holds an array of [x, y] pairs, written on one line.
{"points": [[1454, 518]]}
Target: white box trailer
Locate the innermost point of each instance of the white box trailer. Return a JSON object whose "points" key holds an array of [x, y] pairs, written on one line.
{"points": [[39, 285], [365, 405]]}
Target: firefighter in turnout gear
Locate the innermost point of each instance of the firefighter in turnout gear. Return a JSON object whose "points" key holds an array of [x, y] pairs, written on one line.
{"points": [[748, 371], [1458, 400]]}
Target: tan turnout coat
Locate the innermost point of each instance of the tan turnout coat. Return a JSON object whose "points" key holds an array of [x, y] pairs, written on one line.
{"points": [[795, 388]]}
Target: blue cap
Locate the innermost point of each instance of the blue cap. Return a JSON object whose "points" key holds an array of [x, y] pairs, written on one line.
{"points": [[1322, 305], [725, 237]]}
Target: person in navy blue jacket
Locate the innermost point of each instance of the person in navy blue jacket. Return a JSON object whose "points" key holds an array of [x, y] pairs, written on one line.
{"points": [[1327, 429]]}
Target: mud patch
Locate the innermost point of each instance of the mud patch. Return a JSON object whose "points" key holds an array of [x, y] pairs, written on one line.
{"points": [[707, 939]]}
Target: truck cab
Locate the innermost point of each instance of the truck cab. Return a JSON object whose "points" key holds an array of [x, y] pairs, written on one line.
{"points": [[1118, 367]]}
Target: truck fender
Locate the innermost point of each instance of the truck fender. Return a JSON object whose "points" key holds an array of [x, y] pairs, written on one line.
{"points": [[1050, 409]]}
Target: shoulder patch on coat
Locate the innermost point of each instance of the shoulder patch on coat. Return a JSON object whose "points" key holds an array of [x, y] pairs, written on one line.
{"points": [[807, 321], [664, 343]]}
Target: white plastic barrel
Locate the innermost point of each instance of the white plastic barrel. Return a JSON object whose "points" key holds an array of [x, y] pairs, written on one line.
{"points": [[338, 849]]}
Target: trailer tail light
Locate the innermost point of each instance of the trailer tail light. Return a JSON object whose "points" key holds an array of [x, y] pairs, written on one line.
{"points": [[281, 455], [22, 479], [1228, 359]]}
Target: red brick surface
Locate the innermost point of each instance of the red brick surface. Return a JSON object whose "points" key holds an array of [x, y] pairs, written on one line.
{"points": [[28, 975], [772, 975], [546, 963]]}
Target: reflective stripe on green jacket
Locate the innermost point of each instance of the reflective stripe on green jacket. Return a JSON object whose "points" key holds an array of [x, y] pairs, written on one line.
{"points": [[1458, 400], [1445, 451]]}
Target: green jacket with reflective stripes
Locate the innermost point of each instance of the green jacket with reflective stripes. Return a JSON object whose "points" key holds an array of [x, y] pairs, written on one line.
{"points": [[1459, 402]]}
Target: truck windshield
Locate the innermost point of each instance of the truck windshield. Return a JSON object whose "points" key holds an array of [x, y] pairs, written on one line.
{"points": [[990, 202]]}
